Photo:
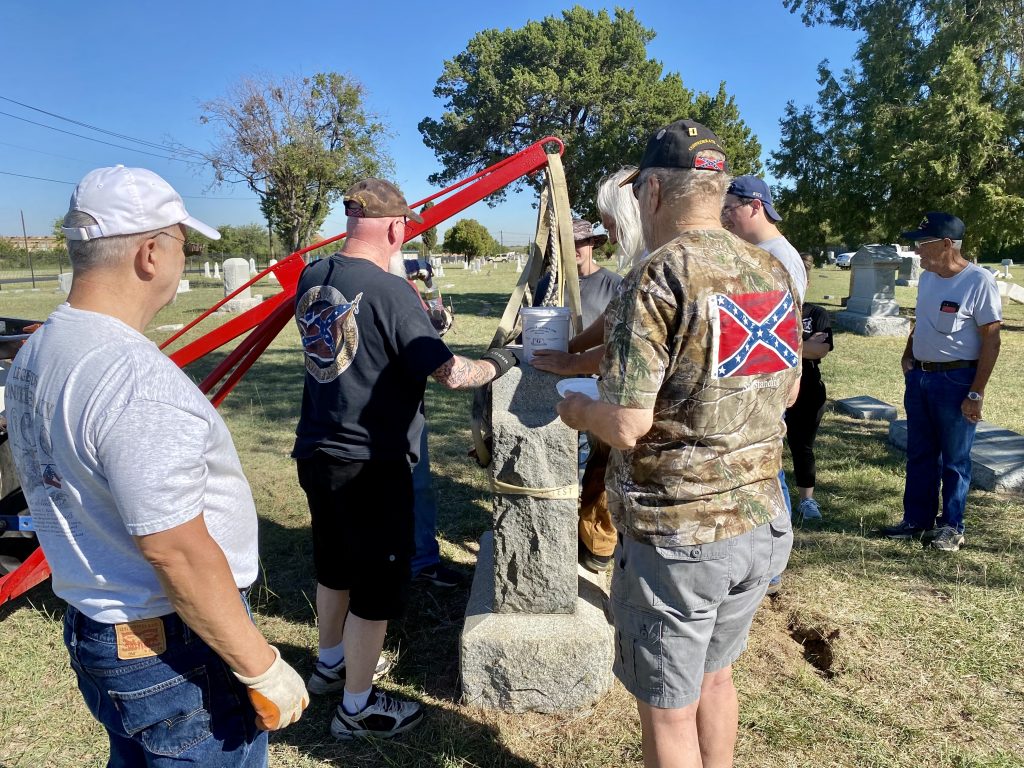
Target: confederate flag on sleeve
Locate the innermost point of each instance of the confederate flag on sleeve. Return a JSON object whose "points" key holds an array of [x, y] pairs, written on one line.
{"points": [[754, 333]]}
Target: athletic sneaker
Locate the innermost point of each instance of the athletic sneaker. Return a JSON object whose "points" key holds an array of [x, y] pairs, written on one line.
{"points": [[809, 510], [332, 679], [903, 530], [948, 539], [381, 718], [440, 576]]}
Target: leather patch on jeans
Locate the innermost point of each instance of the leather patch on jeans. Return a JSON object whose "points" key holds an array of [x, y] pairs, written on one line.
{"points": [[140, 639]]}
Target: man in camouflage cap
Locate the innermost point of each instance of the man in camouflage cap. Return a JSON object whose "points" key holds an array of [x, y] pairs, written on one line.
{"points": [[369, 348], [703, 351]]}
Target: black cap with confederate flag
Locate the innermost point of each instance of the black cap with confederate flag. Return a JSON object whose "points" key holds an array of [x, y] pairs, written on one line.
{"points": [[377, 199], [678, 145]]}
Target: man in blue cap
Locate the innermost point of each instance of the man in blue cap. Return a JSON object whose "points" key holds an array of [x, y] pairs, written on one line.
{"points": [[749, 213], [947, 363]]}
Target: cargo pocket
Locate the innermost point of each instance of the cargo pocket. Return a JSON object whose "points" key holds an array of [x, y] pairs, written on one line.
{"points": [[781, 529], [693, 577], [638, 657], [169, 717]]}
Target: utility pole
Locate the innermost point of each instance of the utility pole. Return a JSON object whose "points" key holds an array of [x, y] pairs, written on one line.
{"points": [[270, 241], [24, 237]]}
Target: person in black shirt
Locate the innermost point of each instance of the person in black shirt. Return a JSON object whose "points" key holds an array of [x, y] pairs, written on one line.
{"points": [[804, 416], [369, 348]]}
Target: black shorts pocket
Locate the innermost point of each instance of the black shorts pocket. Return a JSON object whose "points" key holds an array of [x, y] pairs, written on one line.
{"points": [[169, 717]]}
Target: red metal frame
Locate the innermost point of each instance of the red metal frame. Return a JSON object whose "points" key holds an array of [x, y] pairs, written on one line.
{"points": [[267, 319]]}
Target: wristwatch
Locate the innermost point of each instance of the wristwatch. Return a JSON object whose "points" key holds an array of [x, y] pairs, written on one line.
{"points": [[976, 396]]}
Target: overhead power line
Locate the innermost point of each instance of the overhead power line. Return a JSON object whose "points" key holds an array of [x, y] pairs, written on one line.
{"points": [[73, 183], [98, 141], [91, 127]]}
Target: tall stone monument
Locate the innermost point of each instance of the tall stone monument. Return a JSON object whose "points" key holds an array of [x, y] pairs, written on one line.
{"points": [[910, 269], [871, 309], [536, 637], [236, 274]]}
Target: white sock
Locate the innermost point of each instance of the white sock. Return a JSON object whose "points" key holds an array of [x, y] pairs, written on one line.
{"points": [[332, 657], [354, 703]]}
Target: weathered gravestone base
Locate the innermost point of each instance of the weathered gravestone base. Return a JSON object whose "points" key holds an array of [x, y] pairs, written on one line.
{"points": [[536, 637], [865, 407], [997, 456]]}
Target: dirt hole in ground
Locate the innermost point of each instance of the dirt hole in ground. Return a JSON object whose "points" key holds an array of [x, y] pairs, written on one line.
{"points": [[817, 646]]}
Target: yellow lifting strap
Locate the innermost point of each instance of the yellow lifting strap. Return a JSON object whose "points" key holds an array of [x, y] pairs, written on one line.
{"points": [[554, 232]]}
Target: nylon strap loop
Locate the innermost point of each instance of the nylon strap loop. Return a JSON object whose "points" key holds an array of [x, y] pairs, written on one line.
{"points": [[571, 491]]}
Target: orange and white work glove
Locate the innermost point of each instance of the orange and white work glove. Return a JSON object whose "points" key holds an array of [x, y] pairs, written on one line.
{"points": [[278, 695]]}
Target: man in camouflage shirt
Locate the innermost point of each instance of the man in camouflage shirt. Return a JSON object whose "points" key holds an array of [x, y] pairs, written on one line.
{"points": [[703, 354]]}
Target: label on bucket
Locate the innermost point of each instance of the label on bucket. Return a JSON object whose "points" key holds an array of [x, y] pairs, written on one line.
{"points": [[544, 328]]}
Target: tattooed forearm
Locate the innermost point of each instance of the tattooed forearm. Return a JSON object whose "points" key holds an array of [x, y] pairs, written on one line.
{"points": [[463, 373]]}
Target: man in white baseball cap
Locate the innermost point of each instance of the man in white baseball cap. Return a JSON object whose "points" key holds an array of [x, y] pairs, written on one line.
{"points": [[139, 499]]}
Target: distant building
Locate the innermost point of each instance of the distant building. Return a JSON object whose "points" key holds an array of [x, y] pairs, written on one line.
{"points": [[35, 242]]}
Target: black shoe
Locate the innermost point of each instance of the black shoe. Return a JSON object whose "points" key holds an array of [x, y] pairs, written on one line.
{"points": [[440, 576], [902, 531], [594, 563], [381, 718]]}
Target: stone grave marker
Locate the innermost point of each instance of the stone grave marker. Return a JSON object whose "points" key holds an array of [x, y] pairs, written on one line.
{"points": [[206, 269], [871, 308], [536, 637], [236, 274]]}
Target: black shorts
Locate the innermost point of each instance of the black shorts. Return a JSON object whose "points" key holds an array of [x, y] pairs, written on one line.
{"points": [[362, 523]]}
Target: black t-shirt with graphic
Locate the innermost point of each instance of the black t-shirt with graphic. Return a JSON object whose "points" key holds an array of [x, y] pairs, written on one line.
{"points": [[815, 320], [368, 348]]}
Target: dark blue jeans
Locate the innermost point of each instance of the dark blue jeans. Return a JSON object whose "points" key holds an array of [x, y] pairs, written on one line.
{"points": [[939, 441], [181, 707], [427, 552]]}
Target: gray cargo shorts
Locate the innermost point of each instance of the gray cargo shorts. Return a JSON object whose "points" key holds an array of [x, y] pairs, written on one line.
{"points": [[681, 612]]}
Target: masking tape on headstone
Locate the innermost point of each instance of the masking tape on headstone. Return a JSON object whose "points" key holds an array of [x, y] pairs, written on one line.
{"points": [[571, 491]]}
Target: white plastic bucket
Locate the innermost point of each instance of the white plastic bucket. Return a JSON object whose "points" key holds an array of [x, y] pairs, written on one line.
{"points": [[544, 328]]}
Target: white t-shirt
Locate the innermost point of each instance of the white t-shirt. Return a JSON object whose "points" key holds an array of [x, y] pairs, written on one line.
{"points": [[780, 248], [949, 311], [112, 440]]}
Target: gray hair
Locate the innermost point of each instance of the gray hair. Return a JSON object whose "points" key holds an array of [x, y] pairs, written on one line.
{"points": [[618, 203], [689, 188], [101, 252]]}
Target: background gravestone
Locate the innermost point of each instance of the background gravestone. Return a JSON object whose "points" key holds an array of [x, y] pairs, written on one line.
{"points": [[236, 274], [871, 309], [910, 269]]}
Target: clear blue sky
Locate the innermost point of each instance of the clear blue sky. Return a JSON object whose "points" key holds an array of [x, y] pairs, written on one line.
{"points": [[142, 69]]}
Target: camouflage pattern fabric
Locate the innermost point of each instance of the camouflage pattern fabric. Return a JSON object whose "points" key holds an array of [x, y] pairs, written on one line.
{"points": [[708, 468]]}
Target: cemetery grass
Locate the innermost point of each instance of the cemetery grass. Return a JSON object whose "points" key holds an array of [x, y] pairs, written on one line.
{"points": [[877, 653]]}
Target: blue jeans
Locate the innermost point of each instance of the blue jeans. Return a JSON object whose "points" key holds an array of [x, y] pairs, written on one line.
{"points": [[939, 441], [424, 512], [183, 706]]}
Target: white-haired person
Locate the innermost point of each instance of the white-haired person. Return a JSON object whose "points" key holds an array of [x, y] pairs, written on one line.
{"points": [[621, 219]]}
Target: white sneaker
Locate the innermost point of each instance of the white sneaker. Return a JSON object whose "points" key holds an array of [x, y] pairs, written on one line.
{"points": [[332, 679], [381, 718]]}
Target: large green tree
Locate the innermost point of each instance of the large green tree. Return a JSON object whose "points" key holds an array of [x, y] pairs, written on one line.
{"points": [[930, 116], [297, 143], [470, 238], [583, 76]]}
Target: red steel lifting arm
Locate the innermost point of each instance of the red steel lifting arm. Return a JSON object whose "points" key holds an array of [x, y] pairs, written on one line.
{"points": [[268, 318]]}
